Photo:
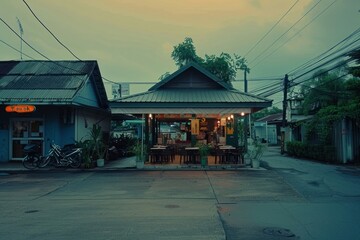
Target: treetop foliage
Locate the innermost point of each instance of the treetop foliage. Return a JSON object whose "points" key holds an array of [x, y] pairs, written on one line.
{"points": [[224, 66]]}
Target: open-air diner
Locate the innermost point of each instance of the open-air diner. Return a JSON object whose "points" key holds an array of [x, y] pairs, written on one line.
{"points": [[191, 116], [177, 139]]}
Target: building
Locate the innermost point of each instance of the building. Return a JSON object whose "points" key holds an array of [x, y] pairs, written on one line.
{"points": [[196, 103], [49, 101]]}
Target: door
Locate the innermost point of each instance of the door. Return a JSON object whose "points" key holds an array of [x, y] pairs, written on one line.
{"points": [[23, 132]]}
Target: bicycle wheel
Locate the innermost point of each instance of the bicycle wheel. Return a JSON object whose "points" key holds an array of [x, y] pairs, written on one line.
{"points": [[76, 161], [44, 161], [31, 162]]}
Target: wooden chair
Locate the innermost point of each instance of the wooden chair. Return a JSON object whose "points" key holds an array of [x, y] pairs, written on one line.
{"points": [[220, 155], [182, 154], [237, 155]]}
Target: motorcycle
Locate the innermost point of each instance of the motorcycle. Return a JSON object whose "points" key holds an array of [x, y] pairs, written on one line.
{"points": [[32, 158]]}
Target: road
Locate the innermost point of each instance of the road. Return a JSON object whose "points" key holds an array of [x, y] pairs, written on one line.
{"points": [[287, 199]]}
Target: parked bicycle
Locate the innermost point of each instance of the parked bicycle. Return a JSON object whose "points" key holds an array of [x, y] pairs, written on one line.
{"points": [[63, 157]]}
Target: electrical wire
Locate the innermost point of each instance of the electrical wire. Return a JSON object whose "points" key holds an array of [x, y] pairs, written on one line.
{"points": [[292, 37], [16, 49], [57, 39], [317, 59], [263, 52], [33, 13], [257, 43], [24, 40]]}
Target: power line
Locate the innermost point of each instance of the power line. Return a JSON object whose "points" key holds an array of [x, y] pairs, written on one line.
{"points": [[276, 89], [259, 79], [285, 32], [321, 73], [52, 34], [54, 62], [24, 40], [318, 15], [16, 49], [50, 31], [317, 59], [271, 28]]}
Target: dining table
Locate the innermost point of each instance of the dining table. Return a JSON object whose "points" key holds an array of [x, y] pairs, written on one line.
{"points": [[192, 155], [227, 149], [156, 153]]}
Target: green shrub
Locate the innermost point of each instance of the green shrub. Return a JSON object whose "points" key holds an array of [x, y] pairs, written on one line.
{"points": [[324, 153]]}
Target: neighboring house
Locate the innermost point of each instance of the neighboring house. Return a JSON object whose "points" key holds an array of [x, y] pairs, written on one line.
{"points": [[345, 133], [267, 129], [49, 101]]}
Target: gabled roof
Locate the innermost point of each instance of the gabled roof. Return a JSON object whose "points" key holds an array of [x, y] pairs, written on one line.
{"points": [[191, 89], [42, 82], [191, 75]]}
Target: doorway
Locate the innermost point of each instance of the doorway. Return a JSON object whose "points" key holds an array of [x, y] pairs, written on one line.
{"points": [[23, 132]]}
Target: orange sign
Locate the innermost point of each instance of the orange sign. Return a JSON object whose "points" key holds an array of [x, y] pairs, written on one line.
{"points": [[20, 108]]}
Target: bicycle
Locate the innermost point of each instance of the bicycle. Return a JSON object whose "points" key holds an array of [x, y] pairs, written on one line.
{"points": [[63, 157]]}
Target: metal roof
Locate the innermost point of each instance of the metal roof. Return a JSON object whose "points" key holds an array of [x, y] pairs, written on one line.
{"points": [[192, 67], [207, 94], [48, 81], [192, 96]]}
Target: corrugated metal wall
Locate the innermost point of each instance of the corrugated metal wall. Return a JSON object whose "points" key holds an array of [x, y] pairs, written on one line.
{"points": [[347, 141]]}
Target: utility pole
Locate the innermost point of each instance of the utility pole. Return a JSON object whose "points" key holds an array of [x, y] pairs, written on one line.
{"points": [[245, 81], [247, 119], [286, 83]]}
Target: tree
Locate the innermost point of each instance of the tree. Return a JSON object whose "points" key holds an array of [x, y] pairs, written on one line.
{"points": [[323, 90], [185, 53], [333, 98], [223, 66], [355, 71]]}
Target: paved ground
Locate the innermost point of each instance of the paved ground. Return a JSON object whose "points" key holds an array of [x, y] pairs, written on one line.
{"points": [[287, 199]]}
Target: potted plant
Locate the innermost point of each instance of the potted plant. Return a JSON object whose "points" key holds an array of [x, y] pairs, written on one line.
{"points": [[204, 151], [254, 152], [139, 151], [99, 148], [86, 152]]}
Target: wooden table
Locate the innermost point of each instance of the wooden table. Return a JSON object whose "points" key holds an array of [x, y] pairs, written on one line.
{"points": [[192, 155]]}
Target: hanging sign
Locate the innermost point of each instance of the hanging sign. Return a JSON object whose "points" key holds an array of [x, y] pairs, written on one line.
{"points": [[194, 126], [20, 108]]}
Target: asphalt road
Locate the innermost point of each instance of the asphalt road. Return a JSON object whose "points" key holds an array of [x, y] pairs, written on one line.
{"points": [[290, 199]]}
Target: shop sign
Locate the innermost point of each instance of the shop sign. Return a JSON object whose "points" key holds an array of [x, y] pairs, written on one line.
{"points": [[20, 108]]}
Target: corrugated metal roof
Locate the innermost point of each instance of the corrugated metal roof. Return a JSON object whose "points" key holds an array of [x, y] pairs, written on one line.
{"points": [[46, 67], [192, 96], [14, 95], [191, 89], [41, 81], [48, 81]]}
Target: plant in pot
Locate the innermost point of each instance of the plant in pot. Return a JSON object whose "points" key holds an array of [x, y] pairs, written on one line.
{"points": [[254, 152], [86, 152], [139, 151], [99, 148], [204, 151]]}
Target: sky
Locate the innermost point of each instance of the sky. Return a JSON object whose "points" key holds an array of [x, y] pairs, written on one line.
{"points": [[132, 40]]}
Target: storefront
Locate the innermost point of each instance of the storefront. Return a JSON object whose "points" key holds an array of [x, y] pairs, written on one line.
{"points": [[200, 106], [44, 102]]}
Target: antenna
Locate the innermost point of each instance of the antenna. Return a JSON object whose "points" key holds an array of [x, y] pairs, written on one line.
{"points": [[21, 34]]}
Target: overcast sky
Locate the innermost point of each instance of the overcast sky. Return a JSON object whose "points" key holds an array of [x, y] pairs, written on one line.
{"points": [[132, 40]]}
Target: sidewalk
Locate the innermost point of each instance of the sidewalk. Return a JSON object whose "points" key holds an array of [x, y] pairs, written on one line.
{"points": [[126, 164]]}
